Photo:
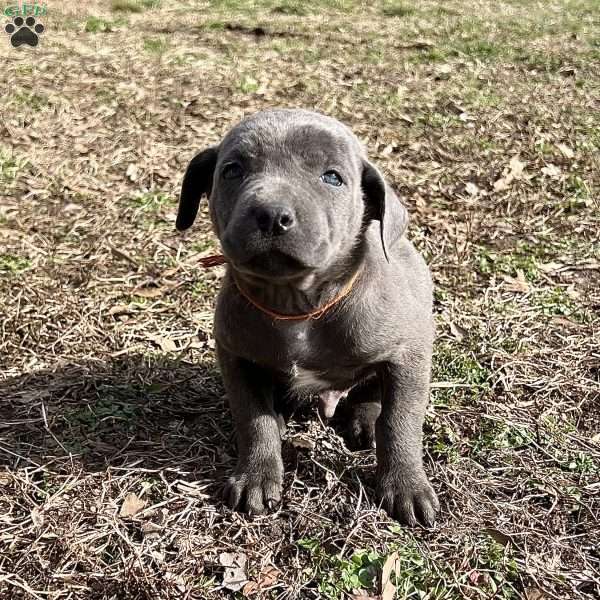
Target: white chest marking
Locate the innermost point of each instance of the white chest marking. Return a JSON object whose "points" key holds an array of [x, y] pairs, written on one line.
{"points": [[304, 380]]}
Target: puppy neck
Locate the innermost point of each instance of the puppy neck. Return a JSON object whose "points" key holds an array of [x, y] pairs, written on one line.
{"points": [[310, 297]]}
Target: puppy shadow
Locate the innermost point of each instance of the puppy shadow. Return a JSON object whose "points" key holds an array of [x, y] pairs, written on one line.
{"points": [[142, 412], [138, 411]]}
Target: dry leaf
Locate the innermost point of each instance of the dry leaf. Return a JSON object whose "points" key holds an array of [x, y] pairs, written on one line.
{"points": [[458, 331], [268, 576], [566, 322], [443, 72], [565, 150], [568, 71], [471, 189], [250, 588], [234, 575], [516, 166], [534, 594], [132, 172], [37, 517], [550, 267], [514, 171], [474, 577], [388, 589], [164, 343], [518, 283], [551, 171], [151, 530], [149, 292], [131, 505], [301, 442], [119, 309]]}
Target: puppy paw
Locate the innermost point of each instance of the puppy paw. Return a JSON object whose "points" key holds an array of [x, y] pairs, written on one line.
{"points": [[255, 488], [360, 428], [408, 497]]}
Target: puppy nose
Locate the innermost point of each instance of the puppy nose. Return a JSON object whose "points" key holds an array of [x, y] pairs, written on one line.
{"points": [[274, 220]]}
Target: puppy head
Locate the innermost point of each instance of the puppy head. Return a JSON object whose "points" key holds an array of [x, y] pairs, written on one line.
{"points": [[291, 193]]}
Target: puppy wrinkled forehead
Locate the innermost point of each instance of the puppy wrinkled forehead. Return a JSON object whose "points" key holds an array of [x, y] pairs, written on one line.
{"points": [[307, 135]]}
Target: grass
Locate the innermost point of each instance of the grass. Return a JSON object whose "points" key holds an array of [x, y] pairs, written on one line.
{"points": [[134, 6], [13, 265], [488, 570], [10, 165], [108, 378], [398, 9], [156, 45], [95, 24]]}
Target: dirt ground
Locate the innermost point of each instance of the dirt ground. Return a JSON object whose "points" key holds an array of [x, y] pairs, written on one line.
{"points": [[114, 436]]}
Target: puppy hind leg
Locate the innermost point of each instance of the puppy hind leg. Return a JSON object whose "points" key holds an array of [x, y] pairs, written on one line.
{"points": [[363, 407]]}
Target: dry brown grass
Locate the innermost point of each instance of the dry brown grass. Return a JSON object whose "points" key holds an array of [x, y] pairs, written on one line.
{"points": [[108, 385]]}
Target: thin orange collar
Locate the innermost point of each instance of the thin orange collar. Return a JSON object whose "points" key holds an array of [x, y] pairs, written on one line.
{"points": [[219, 259]]}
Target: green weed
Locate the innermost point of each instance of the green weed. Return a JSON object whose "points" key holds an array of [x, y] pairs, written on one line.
{"points": [[13, 265]]}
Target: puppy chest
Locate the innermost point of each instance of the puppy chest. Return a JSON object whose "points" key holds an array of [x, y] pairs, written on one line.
{"points": [[328, 378], [304, 380]]}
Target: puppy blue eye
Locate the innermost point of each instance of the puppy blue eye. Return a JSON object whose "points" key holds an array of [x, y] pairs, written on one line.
{"points": [[232, 171], [332, 178]]}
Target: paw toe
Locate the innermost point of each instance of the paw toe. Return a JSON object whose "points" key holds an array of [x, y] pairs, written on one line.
{"points": [[409, 500], [253, 492]]}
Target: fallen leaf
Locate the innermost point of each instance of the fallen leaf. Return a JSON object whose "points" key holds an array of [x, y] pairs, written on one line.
{"points": [[132, 172], [458, 331], [301, 442], [518, 283], [250, 588], [534, 594], [471, 189], [566, 322], [474, 577], [166, 344], [550, 267], [37, 517], [565, 150], [268, 576], [388, 589], [149, 292], [551, 171], [568, 71], [234, 575], [516, 166], [443, 72], [514, 171], [131, 505], [119, 309], [151, 530]]}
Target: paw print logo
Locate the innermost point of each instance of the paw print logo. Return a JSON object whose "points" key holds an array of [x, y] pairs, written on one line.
{"points": [[24, 31]]}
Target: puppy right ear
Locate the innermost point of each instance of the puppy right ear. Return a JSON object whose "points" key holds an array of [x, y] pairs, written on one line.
{"points": [[197, 182]]}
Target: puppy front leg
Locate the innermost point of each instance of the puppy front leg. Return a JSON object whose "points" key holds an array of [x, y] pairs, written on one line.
{"points": [[402, 486], [257, 480]]}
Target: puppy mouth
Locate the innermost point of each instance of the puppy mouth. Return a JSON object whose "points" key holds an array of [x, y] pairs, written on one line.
{"points": [[274, 264]]}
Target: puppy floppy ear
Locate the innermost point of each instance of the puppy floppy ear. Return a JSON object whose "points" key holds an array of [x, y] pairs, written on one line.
{"points": [[384, 206], [197, 181]]}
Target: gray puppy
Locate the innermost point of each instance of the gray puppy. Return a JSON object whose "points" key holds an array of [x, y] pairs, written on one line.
{"points": [[323, 295]]}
